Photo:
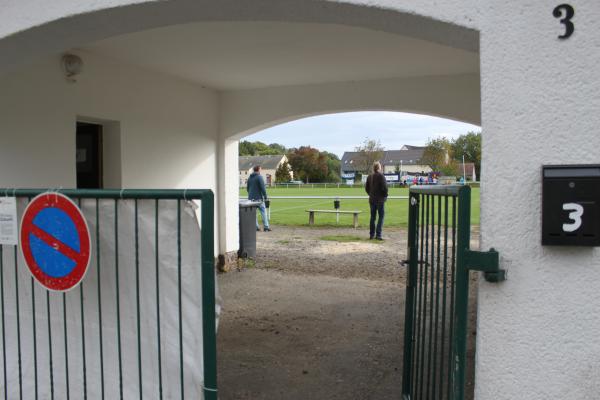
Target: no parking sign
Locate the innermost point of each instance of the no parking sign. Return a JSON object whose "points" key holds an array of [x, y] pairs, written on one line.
{"points": [[55, 241]]}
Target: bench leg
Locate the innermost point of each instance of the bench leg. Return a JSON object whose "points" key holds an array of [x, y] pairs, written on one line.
{"points": [[355, 221], [311, 218]]}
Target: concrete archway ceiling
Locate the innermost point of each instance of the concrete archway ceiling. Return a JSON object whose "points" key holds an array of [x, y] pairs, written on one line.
{"points": [[247, 55]]}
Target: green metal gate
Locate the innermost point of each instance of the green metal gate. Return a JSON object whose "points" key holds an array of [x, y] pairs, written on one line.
{"points": [[37, 337], [437, 292]]}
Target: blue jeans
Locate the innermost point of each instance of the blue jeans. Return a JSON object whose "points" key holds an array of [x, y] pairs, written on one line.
{"points": [[263, 213], [376, 208]]}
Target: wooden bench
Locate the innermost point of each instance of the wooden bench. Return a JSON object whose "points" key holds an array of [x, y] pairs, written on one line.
{"points": [[311, 215]]}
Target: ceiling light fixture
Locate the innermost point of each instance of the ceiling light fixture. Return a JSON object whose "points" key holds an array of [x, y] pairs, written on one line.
{"points": [[72, 66]]}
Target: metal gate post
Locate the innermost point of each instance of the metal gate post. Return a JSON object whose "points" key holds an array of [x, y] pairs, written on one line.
{"points": [[413, 212], [462, 293], [208, 298]]}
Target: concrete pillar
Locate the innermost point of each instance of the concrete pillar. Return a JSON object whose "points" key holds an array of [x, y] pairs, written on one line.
{"points": [[227, 200]]}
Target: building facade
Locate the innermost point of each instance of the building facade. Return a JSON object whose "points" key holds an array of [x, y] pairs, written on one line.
{"points": [[406, 161], [175, 84]]}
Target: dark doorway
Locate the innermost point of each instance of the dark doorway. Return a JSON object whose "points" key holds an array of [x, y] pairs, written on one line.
{"points": [[89, 156]]}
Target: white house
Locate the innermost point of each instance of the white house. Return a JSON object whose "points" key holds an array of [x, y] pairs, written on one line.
{"points": [[407, 160], [171, 86], [269, 165]]}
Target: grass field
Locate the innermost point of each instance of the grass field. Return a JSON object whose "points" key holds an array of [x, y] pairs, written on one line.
{"points": [[292, 211]]}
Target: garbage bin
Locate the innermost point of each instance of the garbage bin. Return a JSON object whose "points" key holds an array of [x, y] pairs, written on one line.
{"points": [[248, 228]]}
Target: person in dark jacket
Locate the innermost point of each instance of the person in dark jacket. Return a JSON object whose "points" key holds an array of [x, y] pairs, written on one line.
{"points": [[377, 189], [258, 192]]}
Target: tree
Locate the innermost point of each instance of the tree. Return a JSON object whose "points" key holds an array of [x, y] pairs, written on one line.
{"points": [[308, 164], [282, 174], [469, 146], [370, 151], [450, 169], [333, 165], [246, 148], [437, 153], [260, 149], [278, 148]]}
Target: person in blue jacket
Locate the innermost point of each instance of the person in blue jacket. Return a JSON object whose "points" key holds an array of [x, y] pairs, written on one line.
{"points": [[258, 192]]}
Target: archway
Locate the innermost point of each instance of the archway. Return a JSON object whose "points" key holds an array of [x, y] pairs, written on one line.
{"points": [[307, 312], [28, 33], [166, 115]]}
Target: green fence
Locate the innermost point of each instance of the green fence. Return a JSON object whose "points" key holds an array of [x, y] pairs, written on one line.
{"points": [[437, 293], [102, 340]]}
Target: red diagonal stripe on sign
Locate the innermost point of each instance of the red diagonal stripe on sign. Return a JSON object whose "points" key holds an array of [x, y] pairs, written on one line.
{"points": [[56, 244]]}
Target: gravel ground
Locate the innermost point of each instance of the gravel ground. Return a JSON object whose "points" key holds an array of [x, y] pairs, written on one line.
{"points": [[301, 250], [314, 319], [285, 336]]}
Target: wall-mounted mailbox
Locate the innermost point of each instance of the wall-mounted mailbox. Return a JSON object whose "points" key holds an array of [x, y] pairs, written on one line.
{"points": [[570, 199]]}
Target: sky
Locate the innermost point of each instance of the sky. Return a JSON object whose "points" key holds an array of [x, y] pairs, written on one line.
{"points": [[337, 133]]}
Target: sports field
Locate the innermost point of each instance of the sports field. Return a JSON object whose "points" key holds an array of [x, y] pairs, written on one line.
{"points": [[293, 211]]}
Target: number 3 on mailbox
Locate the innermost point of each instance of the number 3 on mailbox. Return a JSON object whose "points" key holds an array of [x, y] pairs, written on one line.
{"points": [[574, 215], [570, 199]]}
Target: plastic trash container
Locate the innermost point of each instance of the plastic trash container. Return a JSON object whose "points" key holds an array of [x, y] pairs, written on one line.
{"points": [[248, 228]]}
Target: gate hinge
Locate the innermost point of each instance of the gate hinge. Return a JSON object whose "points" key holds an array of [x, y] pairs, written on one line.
{"points": [[486, 262]]}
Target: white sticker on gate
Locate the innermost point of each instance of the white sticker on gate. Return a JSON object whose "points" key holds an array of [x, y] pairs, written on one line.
{"points": [[8, 221]]}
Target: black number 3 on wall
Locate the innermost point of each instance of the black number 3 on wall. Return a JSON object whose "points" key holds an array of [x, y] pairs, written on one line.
{"points": [[566, 12]]}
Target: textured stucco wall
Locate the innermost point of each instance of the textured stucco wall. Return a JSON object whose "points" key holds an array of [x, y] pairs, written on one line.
{"points": [[538, 331]]}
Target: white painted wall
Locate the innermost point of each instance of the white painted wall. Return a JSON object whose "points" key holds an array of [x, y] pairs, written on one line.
{"points": [[164, 128], [228, 195], [538, 331]]}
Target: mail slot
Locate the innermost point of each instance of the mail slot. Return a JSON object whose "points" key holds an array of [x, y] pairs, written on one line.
{"points": [[570, 198]]}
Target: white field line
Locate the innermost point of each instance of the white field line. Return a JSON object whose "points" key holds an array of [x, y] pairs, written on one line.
{"points": [[333, 197]]}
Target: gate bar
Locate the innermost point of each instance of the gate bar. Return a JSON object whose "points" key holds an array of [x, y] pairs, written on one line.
{"points": [[99, 299], [18, 326], [162, 194], [3, 322], [442, 190]]}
